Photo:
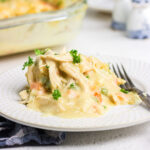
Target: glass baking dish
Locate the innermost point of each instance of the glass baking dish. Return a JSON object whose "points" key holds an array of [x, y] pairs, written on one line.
{"points": [[41, 30]]}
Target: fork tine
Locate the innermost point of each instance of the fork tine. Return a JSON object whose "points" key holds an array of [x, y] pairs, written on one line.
{"points": [[120, 73], [127, 84], [115, 70], [127, 77], [122, 86]]}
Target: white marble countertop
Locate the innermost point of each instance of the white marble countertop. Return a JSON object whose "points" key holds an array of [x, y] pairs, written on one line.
{"points": [[96, 35]]}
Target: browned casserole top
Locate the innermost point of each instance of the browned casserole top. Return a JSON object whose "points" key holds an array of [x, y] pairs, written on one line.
{"points": [[12, 8]]}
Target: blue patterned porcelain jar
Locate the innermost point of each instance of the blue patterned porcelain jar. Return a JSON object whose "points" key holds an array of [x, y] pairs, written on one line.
{"points": [[138, 24], [141, 1], [121, 11]]}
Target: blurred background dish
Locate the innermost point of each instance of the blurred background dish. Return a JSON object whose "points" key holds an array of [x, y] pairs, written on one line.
{"points": [[40, 30], [13, 8], [102, 5]]}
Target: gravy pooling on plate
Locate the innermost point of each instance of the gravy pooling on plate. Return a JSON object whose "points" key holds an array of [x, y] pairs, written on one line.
{"points": [[68, 84]]}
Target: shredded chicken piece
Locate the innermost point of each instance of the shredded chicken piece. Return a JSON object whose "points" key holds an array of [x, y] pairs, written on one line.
{"points": [[38, 69], [54, 77], [29, 75], [74, 73], [43, 100], [40, 64], [60, 58], [24, 95], [85, 65]]}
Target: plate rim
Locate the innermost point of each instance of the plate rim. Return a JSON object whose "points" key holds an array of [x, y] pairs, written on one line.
{"points": [[77, 129]]}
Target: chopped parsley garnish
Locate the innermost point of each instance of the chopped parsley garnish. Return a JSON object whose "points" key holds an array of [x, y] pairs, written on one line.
{"points": [[56, 94], [104, 91], [40, 52], [74, 52], [124, 91], [28, 90], [72, 86], [104, 106], [59, 3], [28, 63], [85, 1], [76, 56], [76, 59], [87, 76], [2, 0], [47, 66]]}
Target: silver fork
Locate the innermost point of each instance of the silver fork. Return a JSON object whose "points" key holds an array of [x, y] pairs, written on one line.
{"points": [[129, 85]]}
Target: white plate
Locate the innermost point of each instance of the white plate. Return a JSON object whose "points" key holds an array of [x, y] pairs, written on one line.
{"points": [[102, 5], [14, 81]]}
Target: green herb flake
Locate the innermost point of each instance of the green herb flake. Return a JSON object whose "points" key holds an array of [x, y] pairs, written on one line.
{"points": [[40, 52], [76, 57], [104, 91], [47, 66], [59, 3], [73, 52], [28, 63], [105, 107], [124, 91], [72, 86], [56, 94], [28, 90], [87, 76], [2, 0], [85, 1]]}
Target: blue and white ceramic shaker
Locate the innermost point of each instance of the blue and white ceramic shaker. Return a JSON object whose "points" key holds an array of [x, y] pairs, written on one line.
{"points": [[120, 14], [138, 24]]}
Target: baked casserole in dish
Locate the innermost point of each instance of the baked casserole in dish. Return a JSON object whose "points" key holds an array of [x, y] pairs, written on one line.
{"points": [[30, 24]]}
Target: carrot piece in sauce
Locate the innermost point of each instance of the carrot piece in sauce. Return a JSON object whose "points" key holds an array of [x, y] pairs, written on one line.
{"points": [[99, 96], [35, 85]]}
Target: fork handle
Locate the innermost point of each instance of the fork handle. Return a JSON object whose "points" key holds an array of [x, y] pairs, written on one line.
{"points": [[144, 96]]}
